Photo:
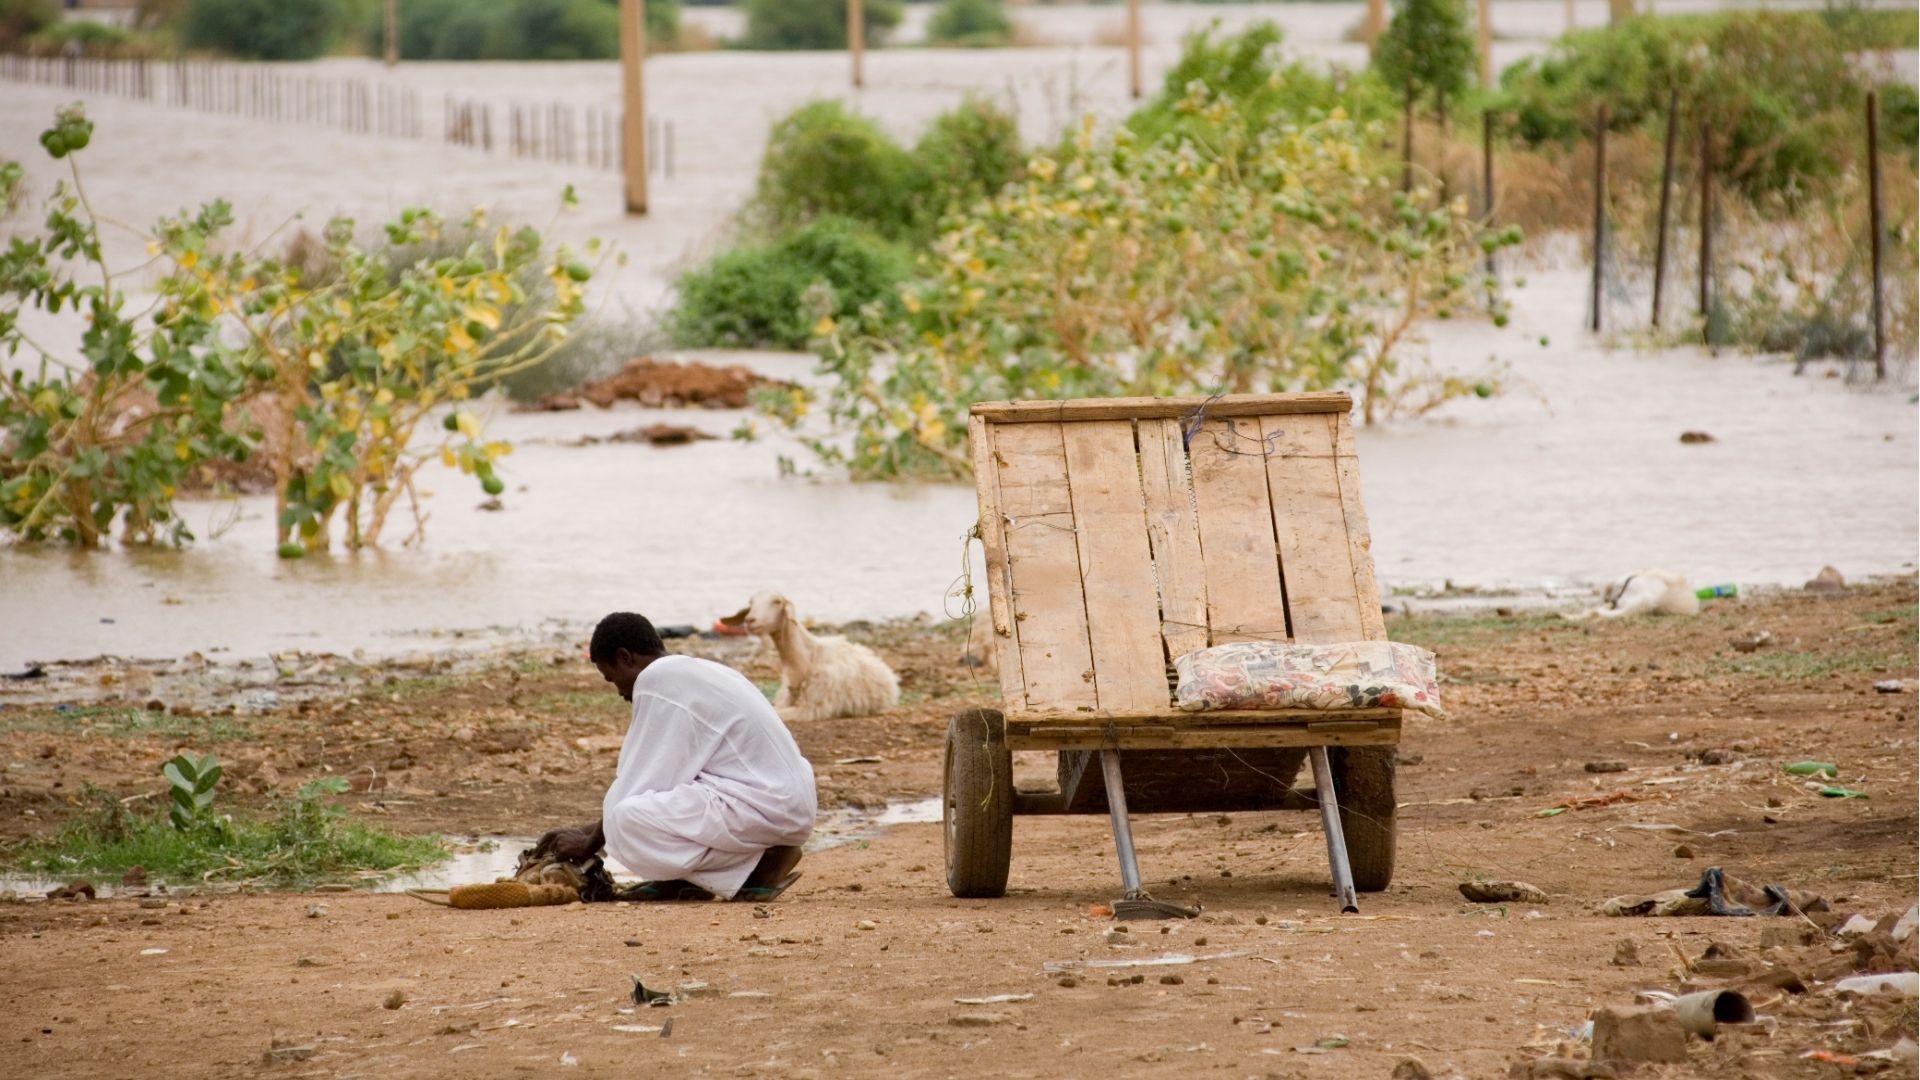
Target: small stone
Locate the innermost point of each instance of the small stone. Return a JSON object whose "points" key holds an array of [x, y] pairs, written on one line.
{"points": [[394, 1000], [1828, 580], [1502, 892], [308, 962], [1718, 757], [1260, 920], [1623, 1034], [866, 924], [1199, 941], [1683, 851], [1626, 953], [393, 916], [153, 902], [1067, 981], [316, 911], [1411, 1069], [1695, 438], [981, 1019], [633, 943], [1171, 980], [1606, 766]]}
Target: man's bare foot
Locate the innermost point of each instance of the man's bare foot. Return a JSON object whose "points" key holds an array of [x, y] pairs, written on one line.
{"points": [[775, 864]]}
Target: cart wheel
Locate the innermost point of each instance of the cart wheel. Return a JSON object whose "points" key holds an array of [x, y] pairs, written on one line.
{"points": [[979, 804], [1363, 780]]}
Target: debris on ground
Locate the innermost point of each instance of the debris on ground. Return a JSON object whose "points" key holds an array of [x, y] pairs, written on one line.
{"points": [[1635, 1034], [1696, 438], [668, 384], [1716, 894], [1811, 768], [652, 435], [1751, 642], [1502, 892], [643, 996], [78, 889]]}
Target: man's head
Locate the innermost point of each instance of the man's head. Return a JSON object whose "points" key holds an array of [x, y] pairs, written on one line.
{"points": [[623, 645]]}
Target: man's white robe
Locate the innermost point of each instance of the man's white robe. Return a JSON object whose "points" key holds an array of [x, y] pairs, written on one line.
{"points": [[709, 778]]}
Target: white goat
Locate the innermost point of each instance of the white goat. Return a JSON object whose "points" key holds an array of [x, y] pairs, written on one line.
{"points": [[1648, 592], [821, 676]]}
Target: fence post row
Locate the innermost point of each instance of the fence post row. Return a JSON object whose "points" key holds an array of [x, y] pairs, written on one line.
{"points": [[1599, 215]]}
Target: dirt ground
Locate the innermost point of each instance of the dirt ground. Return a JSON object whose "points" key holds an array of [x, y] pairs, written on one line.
{"points": [[861, 969]]}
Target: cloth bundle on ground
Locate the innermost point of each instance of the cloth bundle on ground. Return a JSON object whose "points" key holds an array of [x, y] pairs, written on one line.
{"points": [[1276, 675], [1718, 894]]}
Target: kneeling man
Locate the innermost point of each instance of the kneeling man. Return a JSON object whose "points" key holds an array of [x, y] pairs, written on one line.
{"points": [[712, 797]]}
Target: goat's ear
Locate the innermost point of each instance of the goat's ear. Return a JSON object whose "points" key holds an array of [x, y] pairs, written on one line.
{"points": [[736, 618]]}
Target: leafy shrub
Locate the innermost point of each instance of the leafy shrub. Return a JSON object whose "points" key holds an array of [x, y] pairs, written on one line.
{"points": [[85, 33], [973, 23], [775, 294], [21, 19], [264, 29], [525, 29], [1779, 88], [968, 153], [823, 160], [1900, 116], [191, 783], [1258, 258], [1427, 52], [1248, 69], [813, 24]]}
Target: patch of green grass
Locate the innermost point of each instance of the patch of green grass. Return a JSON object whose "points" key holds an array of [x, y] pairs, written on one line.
{"points": [[119, 721], [1798, 665], [1433, 631], [306, 840], [1908, 613], [423, 684]]}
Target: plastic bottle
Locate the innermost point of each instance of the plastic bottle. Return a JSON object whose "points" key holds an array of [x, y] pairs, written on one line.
{"points": [[1717, 592]]}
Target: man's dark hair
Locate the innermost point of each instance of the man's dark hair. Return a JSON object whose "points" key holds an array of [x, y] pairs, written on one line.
{"points": [[624, 630]]}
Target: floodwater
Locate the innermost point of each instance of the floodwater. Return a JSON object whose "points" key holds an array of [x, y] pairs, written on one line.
{"points": [[1574, 478]]}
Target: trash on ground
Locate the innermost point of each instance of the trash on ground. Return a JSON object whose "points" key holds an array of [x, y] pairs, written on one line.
{"points": [[994, 999], [1702, 1013], [1811, 768], [1900, 984], [1832, 792], [1717, 894], [643, 996], [1053, 966], [1637, 1034]]}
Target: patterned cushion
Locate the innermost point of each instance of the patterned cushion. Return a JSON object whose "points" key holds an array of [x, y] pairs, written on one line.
{"points": [[1276, 675]]}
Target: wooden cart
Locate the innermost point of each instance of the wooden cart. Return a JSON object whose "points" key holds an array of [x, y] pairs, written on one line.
{"points": [[1123, 533]]}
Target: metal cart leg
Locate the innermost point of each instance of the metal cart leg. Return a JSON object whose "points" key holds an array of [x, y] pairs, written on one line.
{"points": [[1122, 831], [1330, 823]]}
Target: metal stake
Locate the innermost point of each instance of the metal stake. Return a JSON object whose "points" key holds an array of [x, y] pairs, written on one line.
{"points": [[1122, 831], [1330, 823]]}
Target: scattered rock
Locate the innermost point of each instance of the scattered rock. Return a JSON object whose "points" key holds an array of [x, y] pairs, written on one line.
{"points": [[1718, 757], [977, 1019], [77, 889], [1695, 438], [1890, 686], [663, 435], [551, 403], [633, 943], [866, 924], [492, 506], [1606, 766], [1171, 980], [1067, 981], [1751, 642], [1828, 580], [316, 911], [308, 962], [1411, 1068], [1502, 892], [1622, 1034], [394, 1000], [1683, 851], [1626, 953], [285, 1050]]}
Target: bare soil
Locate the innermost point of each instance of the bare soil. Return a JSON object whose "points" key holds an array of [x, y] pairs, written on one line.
{"points": [[860, 968]]}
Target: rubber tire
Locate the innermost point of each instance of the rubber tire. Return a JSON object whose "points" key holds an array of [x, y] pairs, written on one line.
{"points": [[977, 805], [1363, 781]]}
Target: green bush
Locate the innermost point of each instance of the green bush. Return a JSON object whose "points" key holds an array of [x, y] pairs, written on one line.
{"points": [[823, 160], [1246, 71], [21, 19], [1780, 89], [525, 29], [813, 24], [1900, 116], [973, 23], [1427, 52], [968, 153], [264, 29], [759, 295], [85, 33]]}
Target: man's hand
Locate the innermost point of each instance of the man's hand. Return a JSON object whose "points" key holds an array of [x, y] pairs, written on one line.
{"points": [[575, 844]]}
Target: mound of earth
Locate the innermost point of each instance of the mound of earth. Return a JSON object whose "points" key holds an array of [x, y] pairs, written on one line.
{"points": [[668, 384]]}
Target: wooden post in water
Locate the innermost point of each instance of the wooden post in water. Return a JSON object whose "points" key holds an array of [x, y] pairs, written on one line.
{"points": [[1486, 42], [1875, 223], [857, 40], [1706, 230], [1599, 216], [1486, 181], [1666, 201], [1136, 85], [633, 55]]}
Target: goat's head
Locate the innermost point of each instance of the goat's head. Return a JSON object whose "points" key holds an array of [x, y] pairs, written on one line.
{"points": [[767, 613]]}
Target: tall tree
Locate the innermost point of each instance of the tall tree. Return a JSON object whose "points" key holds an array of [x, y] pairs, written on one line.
{"points": [[1427, 52]]}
